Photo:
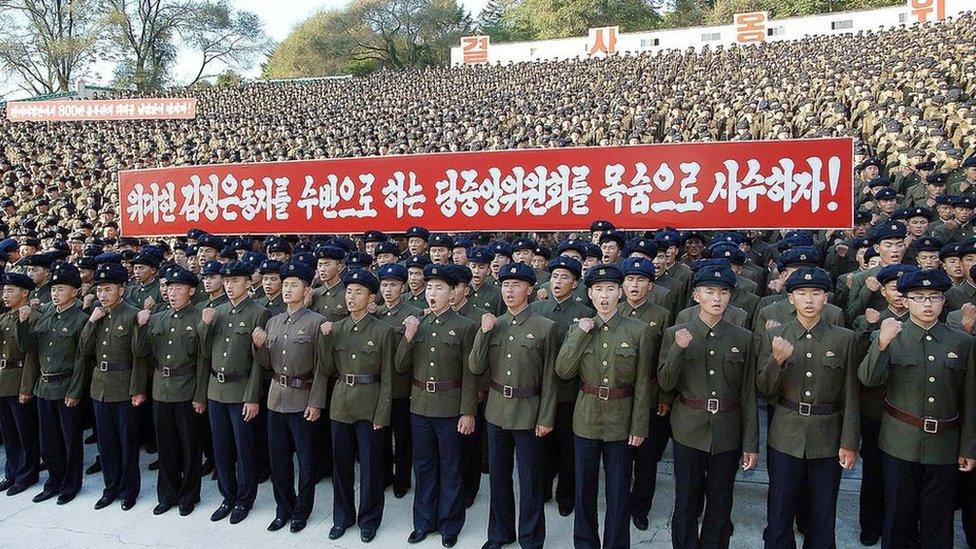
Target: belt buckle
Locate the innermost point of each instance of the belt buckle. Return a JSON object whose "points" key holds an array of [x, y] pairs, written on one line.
{"points": [[103, 365], [3, 364], [430, 386], [166, 371], [220, 377], [711, 405], [46, 378], [508, 391], [350, 379], [283, 380], [603, 393], [805, 408], [930, 425]]}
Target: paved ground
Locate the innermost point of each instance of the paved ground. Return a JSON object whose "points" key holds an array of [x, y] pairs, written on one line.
{"points": [[24, 524]]}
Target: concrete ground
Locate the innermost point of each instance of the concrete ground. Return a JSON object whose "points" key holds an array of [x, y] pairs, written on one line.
{"points": [[24, 524]]}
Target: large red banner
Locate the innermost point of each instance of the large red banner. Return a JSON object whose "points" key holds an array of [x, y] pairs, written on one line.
{"points": [[803, 183], [101, 109]]}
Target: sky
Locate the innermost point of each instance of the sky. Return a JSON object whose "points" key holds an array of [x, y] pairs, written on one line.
{"points": [[279, 16]]}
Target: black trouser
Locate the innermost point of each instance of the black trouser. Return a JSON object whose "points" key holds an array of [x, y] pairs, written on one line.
{"points": [[290, 435], [61, 445], [261, 435], [702, 481], [504, 446], [145, 420], [438, 504], [179, 453], [322, 437], [397, 446], [646, 458], [871, 510], [559, 454], [235, 455], [618, 458], [20, 434], [967, 503], [472, 457], [118, 446], [347, 440], [918, 498], [792, 478]]}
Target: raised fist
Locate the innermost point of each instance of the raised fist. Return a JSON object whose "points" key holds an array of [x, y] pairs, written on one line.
{"points": [[24, 312], [207, 315], [782, 350], [542, 294], [488, 322], [326, 328], [98, 313], [411, 323], [586, 324], [872, 315], [142, 317], [683, 338], [872, 284], [890, 328], [259, 337]]}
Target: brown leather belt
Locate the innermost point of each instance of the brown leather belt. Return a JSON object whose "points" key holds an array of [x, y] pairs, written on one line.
{"points": [[712, 405], [807, 409], [359, 379], [293, 382], [221, 377], [929, 425], [168, 371], [508, 391], [431, 386], [7, 364], [607, 393]]}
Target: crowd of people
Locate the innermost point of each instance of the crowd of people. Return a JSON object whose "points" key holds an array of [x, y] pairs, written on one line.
{"points": [[432, 357]]}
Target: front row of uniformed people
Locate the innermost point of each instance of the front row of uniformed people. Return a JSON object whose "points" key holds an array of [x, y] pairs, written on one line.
{"points": [[212, 361]]}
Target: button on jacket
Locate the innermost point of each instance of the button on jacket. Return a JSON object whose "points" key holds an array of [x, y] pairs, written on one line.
{"points": [[173, 343], [295, 348], [361, 347], [55, 336], [519, 351], [616, 353], [226, 345], [564, 314], [394, 316], [16, 380], [821, 371], [115, 340]]}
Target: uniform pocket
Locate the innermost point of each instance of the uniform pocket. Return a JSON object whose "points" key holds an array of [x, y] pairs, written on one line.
{"points": [[831, 362], [904, 360]]}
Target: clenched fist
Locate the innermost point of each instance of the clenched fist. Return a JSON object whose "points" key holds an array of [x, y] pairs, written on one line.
{"points": [[326, 328], [411, 323], [782, 350], [586, 324], [487, 322], [149, 303], [890, 328], [24, 312], [259, 337], [683, 338], [872, 315], [142, 317], [872, 284], [542, 294], [207, 315], [98, 313]]}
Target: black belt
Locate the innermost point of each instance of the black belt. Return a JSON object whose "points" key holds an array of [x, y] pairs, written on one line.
{"points": [[508, 391], [7, 364], [178, 371], [221, 377], [432, 386], [48, 377], [359, 379], [292, 382], [106, 366], [712, 405], [806, 409]]}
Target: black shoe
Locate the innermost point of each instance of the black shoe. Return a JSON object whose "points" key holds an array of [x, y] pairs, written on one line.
{"points": [[90, 439], [264, 477], [44, 496], [399, 493], [186, 509], [640, 523], [154, 466], [336, 532], [221, 513], [238, 514], [869, 539], [128, 504], [64, 499], [161, 508], [5, 484], [17, 488], [277, 524], [297, 526], [95, 467], [367, 536], [449, 542], [566, 510], [208, 468], [417, 536], [103, 502]]}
